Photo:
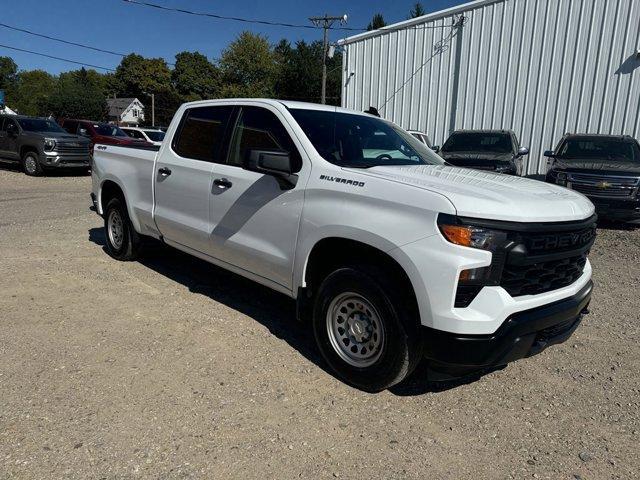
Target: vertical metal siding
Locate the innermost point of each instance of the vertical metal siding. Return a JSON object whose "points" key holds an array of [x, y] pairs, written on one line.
{"points": [[538, 67]]}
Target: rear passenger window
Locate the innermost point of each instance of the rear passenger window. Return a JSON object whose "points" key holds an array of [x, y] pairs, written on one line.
{"points": [[259, 129], [70, 126], [201, 133]]}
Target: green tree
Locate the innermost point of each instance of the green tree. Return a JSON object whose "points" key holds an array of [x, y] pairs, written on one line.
{"points": [[32, 92], [139, 77], [417, 10], [8, 72], [194, 77], [299, 72], [248, 67], [79, 94], [376, 22]]}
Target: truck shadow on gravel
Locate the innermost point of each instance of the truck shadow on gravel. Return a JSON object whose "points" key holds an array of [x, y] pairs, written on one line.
{"points": [[275, 311]]}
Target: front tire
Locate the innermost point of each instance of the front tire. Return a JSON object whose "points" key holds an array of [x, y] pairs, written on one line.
{"points": [[365, 329], [123, 242], [31, 165]]}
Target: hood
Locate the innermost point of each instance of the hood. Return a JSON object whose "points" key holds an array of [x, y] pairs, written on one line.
{"points": [[59, 136], [482, 160], [492, 196], [598, 165]]}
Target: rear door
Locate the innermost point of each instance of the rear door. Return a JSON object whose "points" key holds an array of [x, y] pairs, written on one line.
{"points": [[8, 143], [255, 216], [182, 176]]}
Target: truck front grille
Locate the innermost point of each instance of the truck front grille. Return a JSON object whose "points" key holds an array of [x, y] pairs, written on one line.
{"points": [[72, 149], [542, 276], [544, 261], [603, 186]]}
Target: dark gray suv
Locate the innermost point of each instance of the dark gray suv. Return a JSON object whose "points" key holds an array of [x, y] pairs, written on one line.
{"points": [[39, 144]]}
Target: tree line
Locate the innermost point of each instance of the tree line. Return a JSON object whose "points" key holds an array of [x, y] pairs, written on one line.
{"points": [[250, 66]]}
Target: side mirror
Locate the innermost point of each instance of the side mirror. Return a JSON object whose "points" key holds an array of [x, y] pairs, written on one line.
{"points": [[83, 132], [271, 162], [550, 154], [522, 151], [435, 148]]}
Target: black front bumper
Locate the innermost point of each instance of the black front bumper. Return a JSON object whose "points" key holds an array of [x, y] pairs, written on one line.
{"points": [[522, 335], [619, 210]]}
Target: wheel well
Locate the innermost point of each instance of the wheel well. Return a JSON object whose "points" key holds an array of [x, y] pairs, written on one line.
{"points": [[27, 148], [332, 253], [110, 190]]}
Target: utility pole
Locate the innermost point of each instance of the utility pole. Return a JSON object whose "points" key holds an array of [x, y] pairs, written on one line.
{"points": [[153, 110], [326, 23]]}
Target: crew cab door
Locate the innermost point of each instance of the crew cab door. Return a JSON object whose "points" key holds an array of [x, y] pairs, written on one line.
{"points": [[255, 216], [8, 143], [182, 177]]}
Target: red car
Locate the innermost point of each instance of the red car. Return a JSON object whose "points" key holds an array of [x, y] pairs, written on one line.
{"points": [[99, 132]]}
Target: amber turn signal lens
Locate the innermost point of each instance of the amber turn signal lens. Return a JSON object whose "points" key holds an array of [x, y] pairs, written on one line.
{"points": [[458, 234]]}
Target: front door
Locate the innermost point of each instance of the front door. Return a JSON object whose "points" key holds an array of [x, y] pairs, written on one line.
{"points": [[255, 217], [183, 177]]}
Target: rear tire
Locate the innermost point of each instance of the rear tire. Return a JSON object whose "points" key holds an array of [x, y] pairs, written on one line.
{"points": [[366, 329], [31, 165], [123, 242]]}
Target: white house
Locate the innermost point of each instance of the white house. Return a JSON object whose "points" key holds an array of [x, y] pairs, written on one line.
{"points": [[125, 111]]}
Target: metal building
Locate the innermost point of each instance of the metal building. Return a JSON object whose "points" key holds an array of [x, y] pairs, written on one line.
{"points": [[539, 67]]}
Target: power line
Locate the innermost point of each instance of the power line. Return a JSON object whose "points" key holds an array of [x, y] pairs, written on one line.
{"points": [[144, 3], [219, 17], [84, 64], [56, 39]]}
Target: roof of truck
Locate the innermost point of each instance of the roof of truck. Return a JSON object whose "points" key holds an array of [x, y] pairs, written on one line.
{"points": [[290, 104]]}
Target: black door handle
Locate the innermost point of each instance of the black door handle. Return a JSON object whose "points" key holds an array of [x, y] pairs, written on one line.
{"points": [[164, 171], [222, 183]]}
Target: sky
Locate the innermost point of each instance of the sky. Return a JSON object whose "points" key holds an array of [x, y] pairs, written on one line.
{"points": [[124, 27]]}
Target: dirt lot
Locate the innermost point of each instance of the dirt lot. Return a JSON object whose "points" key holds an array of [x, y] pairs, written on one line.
{"points": [[171, 368]]}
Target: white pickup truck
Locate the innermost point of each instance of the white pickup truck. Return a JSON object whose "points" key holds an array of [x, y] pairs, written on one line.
{"points": [[391, 254]]}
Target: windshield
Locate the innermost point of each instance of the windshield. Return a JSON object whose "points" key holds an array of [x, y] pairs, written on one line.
{"points": [[362, 141], [107, 130], [155, 136], [40, 125], [478, 142], [605, 148]]}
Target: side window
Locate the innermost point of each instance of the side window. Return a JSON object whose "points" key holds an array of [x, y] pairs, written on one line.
{"points": [[2, 125], [70, 126], [201, 133], [259, 129]]}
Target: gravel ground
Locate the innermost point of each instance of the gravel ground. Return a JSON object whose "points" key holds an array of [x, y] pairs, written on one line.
{"points": [[171, 368]]}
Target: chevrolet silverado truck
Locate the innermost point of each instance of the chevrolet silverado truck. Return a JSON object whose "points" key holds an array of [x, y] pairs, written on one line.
{"points": [[494, 150], [605, 168], [39, 144], [392, 256]]}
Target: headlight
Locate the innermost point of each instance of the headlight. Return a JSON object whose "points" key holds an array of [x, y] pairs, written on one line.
{"points": [[470, 281], [561, 178], [49, 144], [474, 237]]}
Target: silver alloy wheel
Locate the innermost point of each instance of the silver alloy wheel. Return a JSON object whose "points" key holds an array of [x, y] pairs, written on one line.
{"points": [[115, 229], [355, 329], [30, 164]]}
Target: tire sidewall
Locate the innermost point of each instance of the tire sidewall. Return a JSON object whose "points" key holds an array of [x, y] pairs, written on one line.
{"points": [[38, 171], [124, 251], [393, 364]]}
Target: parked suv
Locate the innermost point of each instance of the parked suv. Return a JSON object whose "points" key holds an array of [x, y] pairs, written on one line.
{"points": [[99, 132], [495, 150], [391, 254], [40, 144], [605, 168]]}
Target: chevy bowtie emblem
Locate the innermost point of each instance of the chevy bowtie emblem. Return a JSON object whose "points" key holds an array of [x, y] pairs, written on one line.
{"points": [[603, 184]]}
